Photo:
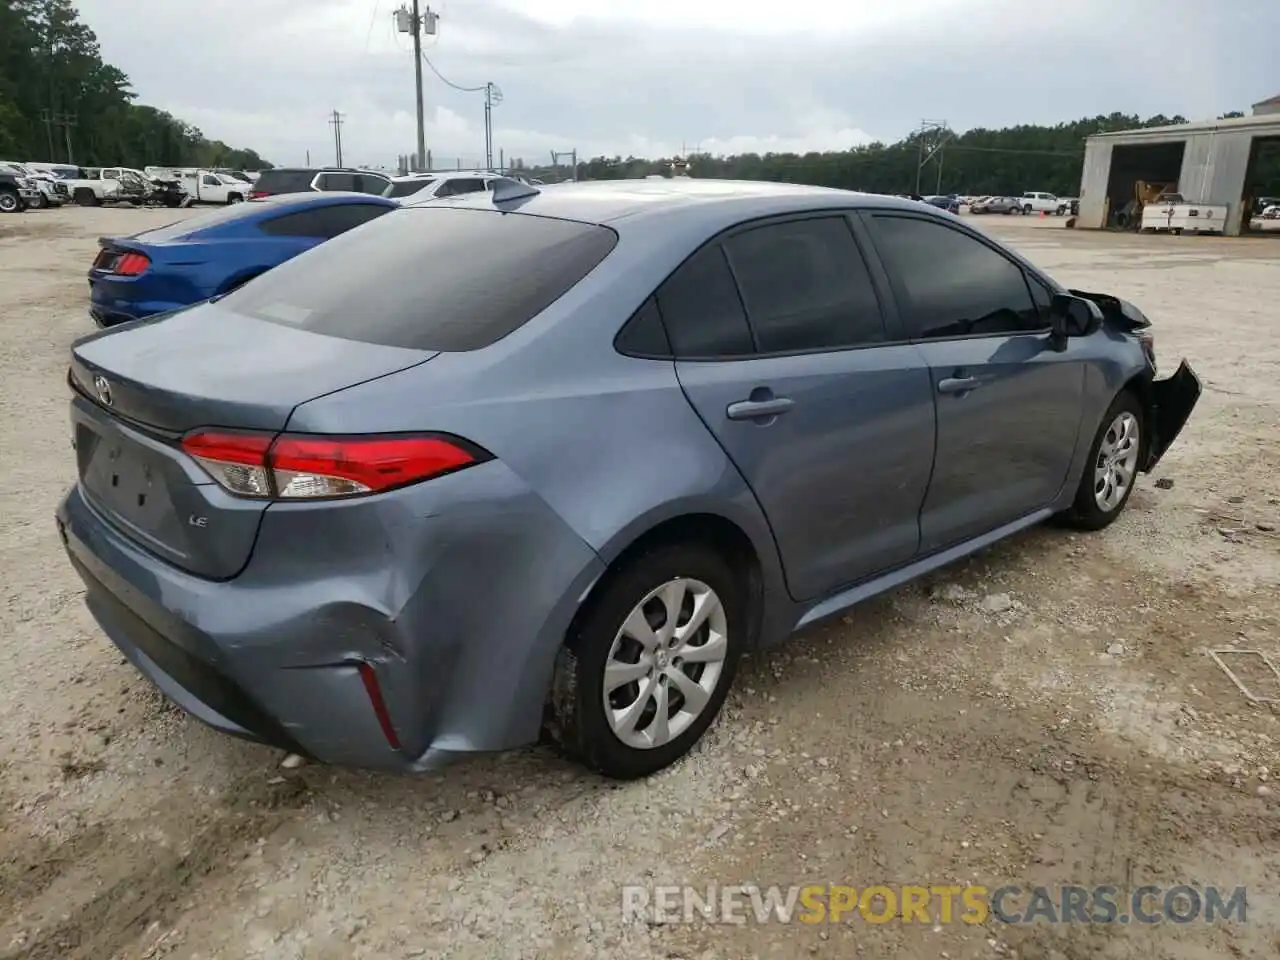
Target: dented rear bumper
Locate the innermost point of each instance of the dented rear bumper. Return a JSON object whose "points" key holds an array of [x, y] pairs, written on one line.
{"points": [[1171, 402]]}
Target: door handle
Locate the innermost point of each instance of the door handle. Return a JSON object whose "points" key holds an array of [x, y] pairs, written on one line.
{"points": [[758, 409], [959, 384]]}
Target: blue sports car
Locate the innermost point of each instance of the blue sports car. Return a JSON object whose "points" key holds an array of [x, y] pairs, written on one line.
{"points": [[210, 254]]}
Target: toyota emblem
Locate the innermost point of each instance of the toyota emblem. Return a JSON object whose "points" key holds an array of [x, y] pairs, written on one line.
{"points": [[103, 388]]}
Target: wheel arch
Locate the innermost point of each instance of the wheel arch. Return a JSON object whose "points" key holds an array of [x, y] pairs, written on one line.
{"points": [[726, 536], [1140, 386]]}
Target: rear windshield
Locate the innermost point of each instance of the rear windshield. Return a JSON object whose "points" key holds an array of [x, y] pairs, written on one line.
{"points": [[211, 218], [407, 188], [429, 279], [285, 181]]}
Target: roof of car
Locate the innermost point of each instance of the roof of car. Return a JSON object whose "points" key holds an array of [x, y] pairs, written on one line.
{"points": [[324, 170], [610, 201], [443, 175], [318, 198]]}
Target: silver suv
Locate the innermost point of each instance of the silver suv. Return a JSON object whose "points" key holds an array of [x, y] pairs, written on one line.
{"points": [[430, 186]]}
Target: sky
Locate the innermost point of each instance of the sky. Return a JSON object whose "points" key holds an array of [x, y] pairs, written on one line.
{"points": [[651, 78]]}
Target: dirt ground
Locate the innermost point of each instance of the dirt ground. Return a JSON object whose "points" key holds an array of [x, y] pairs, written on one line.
{"points": [[1045, 713]]}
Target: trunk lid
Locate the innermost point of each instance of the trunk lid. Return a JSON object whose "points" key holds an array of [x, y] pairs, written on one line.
{"points": [[208, 366], [139, 388]]}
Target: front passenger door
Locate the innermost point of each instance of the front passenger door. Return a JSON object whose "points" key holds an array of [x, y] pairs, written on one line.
{"points": [[783, 350], [1009, 405]]}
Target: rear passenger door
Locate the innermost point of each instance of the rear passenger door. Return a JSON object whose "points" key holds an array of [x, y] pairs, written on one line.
{"points": [[1009, 404], [783, 349]]}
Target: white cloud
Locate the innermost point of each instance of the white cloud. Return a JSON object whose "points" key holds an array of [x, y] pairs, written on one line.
{"points": [[645, 77]]}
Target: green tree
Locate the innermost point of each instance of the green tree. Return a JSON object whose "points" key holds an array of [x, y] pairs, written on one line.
{"points": [[978, 161], [51, 68]]}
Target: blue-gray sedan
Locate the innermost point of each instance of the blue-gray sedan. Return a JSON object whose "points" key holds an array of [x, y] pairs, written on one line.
{"points": [[550, 459]]}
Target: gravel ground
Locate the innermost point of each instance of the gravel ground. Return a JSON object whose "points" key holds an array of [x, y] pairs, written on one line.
{"points": [[1045, 713]]}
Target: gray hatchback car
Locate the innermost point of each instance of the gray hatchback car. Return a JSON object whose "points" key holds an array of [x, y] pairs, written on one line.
{"points": [[551, 460]]}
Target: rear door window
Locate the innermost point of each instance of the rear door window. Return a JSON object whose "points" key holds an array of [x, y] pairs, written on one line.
{"points": [[702, 311], [458, 185], [285, 181], [336, 181], [429, 278], [805, 286], [407, 188], [370, 183], [324, 222]]}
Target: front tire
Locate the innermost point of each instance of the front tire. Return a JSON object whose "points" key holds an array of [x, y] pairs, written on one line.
{"points": [[10, 201], [1112, 468], [645, 671]]}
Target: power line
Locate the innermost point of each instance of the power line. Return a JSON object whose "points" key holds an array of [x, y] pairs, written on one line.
{"points": [[449, 83]]}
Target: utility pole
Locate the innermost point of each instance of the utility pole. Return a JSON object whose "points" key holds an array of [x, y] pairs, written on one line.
{"points": [[67, 123], [47, 119], [417, 23], [492, 97], [335, 121]]}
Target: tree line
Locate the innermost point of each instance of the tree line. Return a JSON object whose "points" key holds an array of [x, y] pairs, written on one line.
{"points": [[60, 103], [978, 162]]}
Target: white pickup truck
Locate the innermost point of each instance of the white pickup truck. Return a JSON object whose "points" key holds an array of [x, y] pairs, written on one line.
{"points": [[1037, 202], [207, 186], [89, 188]]}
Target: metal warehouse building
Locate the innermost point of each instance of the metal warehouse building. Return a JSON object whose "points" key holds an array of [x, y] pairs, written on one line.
{"points": [[1210, 161]]}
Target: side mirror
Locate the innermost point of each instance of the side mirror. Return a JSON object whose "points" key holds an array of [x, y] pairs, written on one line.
{"points": [[1071, 316]]}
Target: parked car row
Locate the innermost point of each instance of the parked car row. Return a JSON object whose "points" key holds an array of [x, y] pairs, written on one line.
{"points": [[1026, 204], [46, 185]]}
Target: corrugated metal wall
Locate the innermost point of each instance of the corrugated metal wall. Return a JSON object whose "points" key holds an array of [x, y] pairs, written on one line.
{"points": [[1093, 184], [1213, 171]]}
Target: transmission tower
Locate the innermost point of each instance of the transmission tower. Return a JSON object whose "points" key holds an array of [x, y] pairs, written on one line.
{"points": [[931, 140], [556, 156]]}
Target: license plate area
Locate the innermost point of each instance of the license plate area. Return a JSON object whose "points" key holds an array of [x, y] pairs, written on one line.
{"points": [[123, 477]]}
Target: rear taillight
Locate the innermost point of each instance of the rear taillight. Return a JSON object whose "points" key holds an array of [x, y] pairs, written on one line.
{"points": [[131, 264], [258, 194], [299, 466]]}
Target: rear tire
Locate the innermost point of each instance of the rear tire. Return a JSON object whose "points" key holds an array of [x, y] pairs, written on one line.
{"points": [[1111, 472], [667, 671]]}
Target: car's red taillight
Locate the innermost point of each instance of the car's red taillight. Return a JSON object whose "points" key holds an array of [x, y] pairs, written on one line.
{"points": [[258, 194], [300, 466], [132, 264]]}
